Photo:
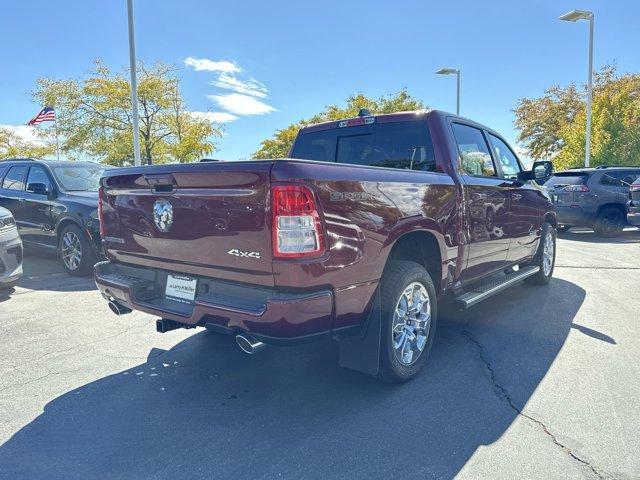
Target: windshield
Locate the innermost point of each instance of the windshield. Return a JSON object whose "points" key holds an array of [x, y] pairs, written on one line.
{"points": [[79, 178]]}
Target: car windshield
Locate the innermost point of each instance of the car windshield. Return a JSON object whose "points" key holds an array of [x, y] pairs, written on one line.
{"points": [[79, 178]]}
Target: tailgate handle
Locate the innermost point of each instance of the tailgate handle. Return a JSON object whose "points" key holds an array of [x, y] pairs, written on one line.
{"points": [[160, 182]]}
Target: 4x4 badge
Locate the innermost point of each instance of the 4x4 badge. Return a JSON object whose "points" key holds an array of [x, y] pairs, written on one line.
{"points": [[240, 253]]}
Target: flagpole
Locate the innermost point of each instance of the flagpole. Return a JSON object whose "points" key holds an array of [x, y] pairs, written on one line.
{"points": [[55, 125]]}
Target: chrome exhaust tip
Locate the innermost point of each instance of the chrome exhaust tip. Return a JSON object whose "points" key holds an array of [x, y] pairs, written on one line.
{"points": [[248, 344], [118, 309]]}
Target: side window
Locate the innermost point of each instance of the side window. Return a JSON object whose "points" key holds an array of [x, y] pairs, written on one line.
{"points": [[506, 158], [474, 152], [14, 180], [38, 174], [628, 178], [2, 171], [610, 179]]}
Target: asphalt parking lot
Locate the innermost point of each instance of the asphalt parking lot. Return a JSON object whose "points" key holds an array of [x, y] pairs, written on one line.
{"points": [[541, 382]]}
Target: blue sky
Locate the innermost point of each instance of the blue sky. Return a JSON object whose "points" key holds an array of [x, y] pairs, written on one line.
{"points": [[271, 63]]}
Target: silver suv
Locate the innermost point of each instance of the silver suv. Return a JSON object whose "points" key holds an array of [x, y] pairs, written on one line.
{"points": [[10, 250], [593, 197]]}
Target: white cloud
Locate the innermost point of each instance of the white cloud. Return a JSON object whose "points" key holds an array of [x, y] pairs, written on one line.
{"points": [[248, 87], [204, 64], [240, 104], [218, 117], [25, 132]]}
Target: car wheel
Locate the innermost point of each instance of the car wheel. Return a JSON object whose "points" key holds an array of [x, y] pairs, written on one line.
{"points": [[76, 252], [409, 312], [610, 222], [545, 257]]}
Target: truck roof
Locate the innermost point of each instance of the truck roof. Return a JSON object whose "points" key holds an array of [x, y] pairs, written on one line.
{"points": [[381, 118]]}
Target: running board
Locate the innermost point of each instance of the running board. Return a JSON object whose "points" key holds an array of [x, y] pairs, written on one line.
{"points": [[486, 290]]}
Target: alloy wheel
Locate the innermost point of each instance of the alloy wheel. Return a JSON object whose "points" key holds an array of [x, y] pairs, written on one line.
{"points": [[547, 253], [411, 322], [71, 250]]}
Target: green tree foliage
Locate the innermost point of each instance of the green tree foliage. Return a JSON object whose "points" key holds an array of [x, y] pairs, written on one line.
{"points": [[279, 144], [94, 117], [13, 146], [553, 126]]}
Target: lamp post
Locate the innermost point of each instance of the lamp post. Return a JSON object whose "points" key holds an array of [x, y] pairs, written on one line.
{"points": [[134, 86], [574, 16], [456, 72]]}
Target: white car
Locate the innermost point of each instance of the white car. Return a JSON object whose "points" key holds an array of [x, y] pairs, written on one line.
{"points": [[10, 250]]}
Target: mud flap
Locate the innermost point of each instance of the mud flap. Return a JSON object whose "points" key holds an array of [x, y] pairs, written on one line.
{"points": [[363, 353]]}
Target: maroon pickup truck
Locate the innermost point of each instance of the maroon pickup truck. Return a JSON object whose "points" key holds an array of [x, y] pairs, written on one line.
{"points": [[358, 236]]}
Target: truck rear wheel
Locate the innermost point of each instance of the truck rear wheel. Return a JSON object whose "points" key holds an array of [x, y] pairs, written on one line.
{"points": [[409, 312]]}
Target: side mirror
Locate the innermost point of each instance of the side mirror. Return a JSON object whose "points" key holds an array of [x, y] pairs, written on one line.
{"points": [[38, 188], [542, 170]]}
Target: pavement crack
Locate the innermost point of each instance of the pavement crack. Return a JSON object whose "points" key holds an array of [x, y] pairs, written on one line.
{"points": [[503, 394]]}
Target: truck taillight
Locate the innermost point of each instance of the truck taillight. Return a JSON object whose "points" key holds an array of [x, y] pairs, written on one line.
{"points": [[101, 198], [297, 230]]}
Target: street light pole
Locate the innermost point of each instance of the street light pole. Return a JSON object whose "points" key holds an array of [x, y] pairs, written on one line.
{"points": [[574, 16], [458, 92], [134, 85], [587, 146], [456, 72]]}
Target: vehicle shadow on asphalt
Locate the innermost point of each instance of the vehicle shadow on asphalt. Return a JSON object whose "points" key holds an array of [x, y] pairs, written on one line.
{"points": [[204, 409], [39, 270]]}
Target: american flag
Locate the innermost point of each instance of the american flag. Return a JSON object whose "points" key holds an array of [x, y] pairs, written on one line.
{"points": [[46, 115]]}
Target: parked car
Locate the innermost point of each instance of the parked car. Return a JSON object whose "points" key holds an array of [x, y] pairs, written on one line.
{"points": [[358, 236], [592, 197], [10, 250], [633, 206], [55, 205]]}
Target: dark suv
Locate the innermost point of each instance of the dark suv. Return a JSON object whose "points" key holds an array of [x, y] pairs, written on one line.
{"points": [[593, 197], [55, 206]]}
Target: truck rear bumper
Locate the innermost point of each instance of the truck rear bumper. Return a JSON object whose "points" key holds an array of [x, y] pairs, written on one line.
{"points": [[271, 315]]}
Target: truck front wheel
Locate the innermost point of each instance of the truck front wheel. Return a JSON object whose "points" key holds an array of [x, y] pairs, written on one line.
{"points": [[409, 311], [545, 257]]}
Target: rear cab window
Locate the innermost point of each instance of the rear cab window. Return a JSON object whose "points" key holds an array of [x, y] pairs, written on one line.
{"points": [[403, 145]]}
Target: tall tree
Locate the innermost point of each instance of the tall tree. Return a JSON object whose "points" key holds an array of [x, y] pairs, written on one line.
{"points": [[94, 117], [13, 145], [279, 144], [553, 126]]}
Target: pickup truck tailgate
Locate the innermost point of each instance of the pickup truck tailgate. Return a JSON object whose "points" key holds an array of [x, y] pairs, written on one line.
{"points": [[202, 219]]}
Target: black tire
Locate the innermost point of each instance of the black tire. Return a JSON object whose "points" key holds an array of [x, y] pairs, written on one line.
{"points": [[87, 259], [5, 287], [610, 222], [542, 278], [398, 276]]}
